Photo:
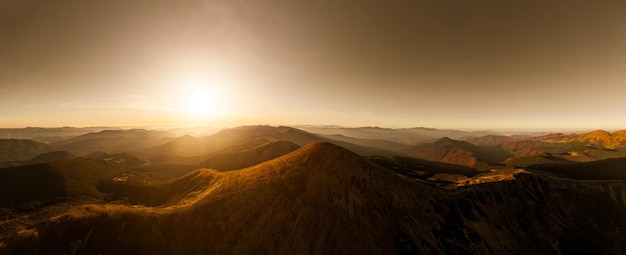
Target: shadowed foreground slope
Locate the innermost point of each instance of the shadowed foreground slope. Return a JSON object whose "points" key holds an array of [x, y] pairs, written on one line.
{"points": [[322, 199]]}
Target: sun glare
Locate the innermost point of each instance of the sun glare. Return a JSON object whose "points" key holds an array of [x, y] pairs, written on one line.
{"points": [[201, 98]]}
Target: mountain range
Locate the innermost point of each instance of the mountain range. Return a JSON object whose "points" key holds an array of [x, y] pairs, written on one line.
{"points": [[283, 190]]}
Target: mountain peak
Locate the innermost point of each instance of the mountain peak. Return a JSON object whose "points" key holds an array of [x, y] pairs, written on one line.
{"points": [[319, 161]]}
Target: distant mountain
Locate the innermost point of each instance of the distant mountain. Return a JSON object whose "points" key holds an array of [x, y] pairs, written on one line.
{"points": [[231, 138], [408, 136], [522, 148], [115, 141], [240, 137], [493, 140], [599, 138], [126, 159], [237, 160], [460, 153], [391, 146], [22, 149], [529, 161], [323, 199], [573, 147], [50, 156], [41, 158], [46, 134], [519, 146]]}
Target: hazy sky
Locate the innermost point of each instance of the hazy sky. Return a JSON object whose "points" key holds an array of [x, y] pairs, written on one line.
{"points": [[442, 64]]}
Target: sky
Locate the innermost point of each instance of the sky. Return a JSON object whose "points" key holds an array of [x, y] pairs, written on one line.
{"points": [[441, 64]]}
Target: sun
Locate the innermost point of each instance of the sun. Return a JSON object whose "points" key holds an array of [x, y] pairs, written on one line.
{"points": [[201, 98]]}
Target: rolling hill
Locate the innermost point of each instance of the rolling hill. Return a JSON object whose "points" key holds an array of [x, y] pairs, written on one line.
{"points": [[599, 138], [421, 168], [22, 149], [239, 138], [241, 159], [460, 153], [406, 136], [41, 158], [608, 169], [48, 135], [233, 139], [29, 187], [115, 141]]}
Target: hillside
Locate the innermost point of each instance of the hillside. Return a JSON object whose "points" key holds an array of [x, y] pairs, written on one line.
{"points": [[543, 159], [460, 153], [233, 138], [573, 147], [598, 138], [240, 159], [29, 187], [390, 146], [41, 158], [115, 141], [406, 136], [240, 137], [421, 168], [22, 149], [48, 135], [608, 169]]}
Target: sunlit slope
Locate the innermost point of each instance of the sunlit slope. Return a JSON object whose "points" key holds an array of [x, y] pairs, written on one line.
{"points": [[590, 146], [599, 138]]}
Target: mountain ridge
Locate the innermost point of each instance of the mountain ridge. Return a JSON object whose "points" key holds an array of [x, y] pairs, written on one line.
{"points": [[460, 152]]}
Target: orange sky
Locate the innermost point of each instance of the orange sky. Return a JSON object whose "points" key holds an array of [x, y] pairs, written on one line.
{"points": [[443, 64]]}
